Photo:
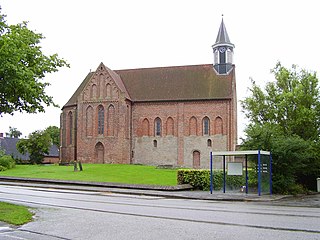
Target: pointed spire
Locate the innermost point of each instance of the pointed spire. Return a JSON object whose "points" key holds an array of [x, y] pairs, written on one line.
{"points": [[222, 34], [223, 37]]}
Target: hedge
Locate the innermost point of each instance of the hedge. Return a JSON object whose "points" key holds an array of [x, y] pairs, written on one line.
{"points": [[200, 179]]}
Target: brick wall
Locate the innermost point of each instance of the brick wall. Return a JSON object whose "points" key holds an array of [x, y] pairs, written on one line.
{"points": [[188, 135]]}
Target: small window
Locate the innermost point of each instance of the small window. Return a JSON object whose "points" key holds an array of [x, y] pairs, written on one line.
{"points": [[209, 143], [155, 143]]}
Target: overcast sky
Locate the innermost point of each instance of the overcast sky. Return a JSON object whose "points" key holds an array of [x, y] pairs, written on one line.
{"points": [[127, 34]]}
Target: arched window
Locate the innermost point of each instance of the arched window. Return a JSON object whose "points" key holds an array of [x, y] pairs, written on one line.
{"points": [[209, 143], [100, 119], [157, 127], [218, 125], [193, 126], [206, 126], [89, 121], [170, 126], [145, 127], [110, 120], [155, 143], [70, 127]]}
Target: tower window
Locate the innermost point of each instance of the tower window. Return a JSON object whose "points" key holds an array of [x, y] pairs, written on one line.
{"points": [[155, 143], [209, 143]]}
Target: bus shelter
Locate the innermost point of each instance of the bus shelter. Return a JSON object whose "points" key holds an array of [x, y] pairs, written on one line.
{"points": [[263, 168]]}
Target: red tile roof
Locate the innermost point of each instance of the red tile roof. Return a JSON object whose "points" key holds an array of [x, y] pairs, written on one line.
{"points": [[195, 82]]}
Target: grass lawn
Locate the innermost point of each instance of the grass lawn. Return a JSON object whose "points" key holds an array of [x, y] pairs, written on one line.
{"points": [[117, 173], [14, 214]]}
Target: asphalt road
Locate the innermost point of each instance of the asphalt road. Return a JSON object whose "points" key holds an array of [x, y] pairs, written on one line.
{"points": [[67, 214]]}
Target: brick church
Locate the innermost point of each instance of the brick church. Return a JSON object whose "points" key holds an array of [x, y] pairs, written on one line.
{"points": [[154, 116]]}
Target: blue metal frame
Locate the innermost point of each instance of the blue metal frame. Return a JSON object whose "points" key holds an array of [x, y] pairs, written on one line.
{"points": [[224, 174], [259, 173], [270, 174], [211, 175], [247, 184]]}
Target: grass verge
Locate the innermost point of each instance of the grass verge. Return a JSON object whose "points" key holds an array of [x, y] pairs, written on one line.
{"points": [[117, 173], [14, 214]]}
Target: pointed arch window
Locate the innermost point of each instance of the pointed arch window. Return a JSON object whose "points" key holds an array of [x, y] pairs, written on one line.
{"points": [[157, 127], [100, 119], [206, 126]]}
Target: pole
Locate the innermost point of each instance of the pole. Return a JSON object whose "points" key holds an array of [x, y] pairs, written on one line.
{"points": [[259, 173], [247, 185], [211, 176], [270, 174], [224, 174]]}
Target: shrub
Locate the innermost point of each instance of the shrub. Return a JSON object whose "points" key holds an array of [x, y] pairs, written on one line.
{"points": [[200, 179], [7, 162], [2, 168]]}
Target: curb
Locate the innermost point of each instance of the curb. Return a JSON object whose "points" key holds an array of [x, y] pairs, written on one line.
{"points": [[183, 187]]}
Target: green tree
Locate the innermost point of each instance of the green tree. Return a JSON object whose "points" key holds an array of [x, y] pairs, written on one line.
{"points": [[54, 133], [13, 132], [22, 69], [285, 118], [37, 145]]}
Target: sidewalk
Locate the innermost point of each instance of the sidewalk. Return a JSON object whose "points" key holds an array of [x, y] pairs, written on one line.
{"points": [[180, 191]]}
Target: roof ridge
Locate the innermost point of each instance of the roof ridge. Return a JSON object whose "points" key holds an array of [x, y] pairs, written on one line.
{"points": [[163, 67]]}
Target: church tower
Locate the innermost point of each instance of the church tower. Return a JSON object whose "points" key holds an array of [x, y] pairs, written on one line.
{"points": [[223, 51]]}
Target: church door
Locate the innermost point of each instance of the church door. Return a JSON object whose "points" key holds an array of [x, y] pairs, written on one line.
{"points": [[99, 153], [196, 159]]}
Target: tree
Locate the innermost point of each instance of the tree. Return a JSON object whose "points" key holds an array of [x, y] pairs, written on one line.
{"points": [[22, 69], [291, 102], [54, 133], [37, 145], [285, 118], [13, 132]]}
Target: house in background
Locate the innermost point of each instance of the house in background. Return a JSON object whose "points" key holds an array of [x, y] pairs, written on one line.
{"points": [[155, 116], [8, 144]]}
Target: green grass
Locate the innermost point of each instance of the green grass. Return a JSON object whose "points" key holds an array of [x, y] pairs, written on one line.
{"points": [[14, 214], [117, 173]]}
